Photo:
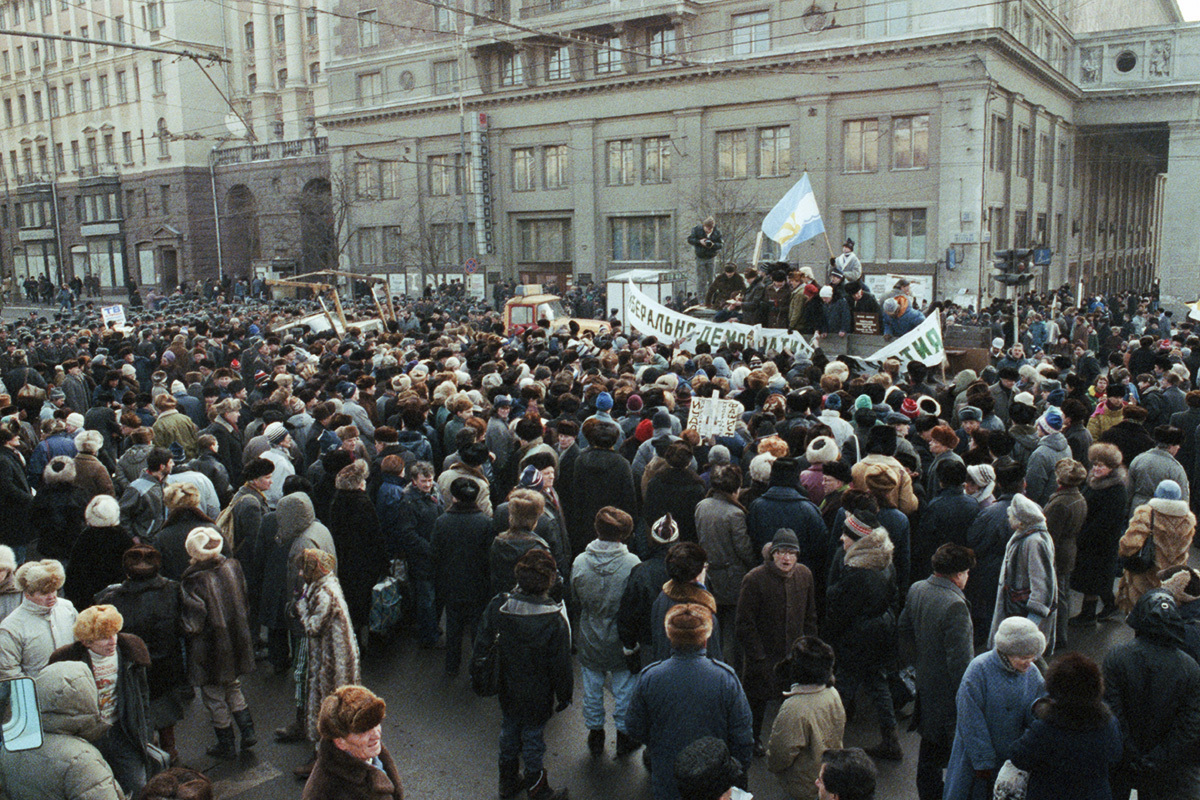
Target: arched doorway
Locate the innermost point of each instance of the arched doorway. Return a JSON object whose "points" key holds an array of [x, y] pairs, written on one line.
{"points": [[317, 234], [240, 241]]}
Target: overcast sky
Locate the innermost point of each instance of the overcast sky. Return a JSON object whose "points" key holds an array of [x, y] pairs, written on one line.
{"points": [[1190, 8]]}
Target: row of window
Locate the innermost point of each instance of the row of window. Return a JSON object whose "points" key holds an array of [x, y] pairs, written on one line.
{"points": [[94, 152], [279, 28], [153, 16], [1029, 164], [281, 77], [101, 92], [46, 51], [103, 207]]}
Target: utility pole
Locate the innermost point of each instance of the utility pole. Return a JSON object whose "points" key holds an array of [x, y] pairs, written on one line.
{"points": [[461, 172]]}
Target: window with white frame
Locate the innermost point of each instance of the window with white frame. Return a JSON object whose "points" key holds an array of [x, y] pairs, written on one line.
{"points": [[368, 246], [441, 175], [860, 145], [860, 226], [122, 87], [732, 155], [127, 146], [641, 238], [554, 166], [366, 180], [910, 142], [662, 46], [656, 159], [512, 70], [524, 177], [751, 33], [164, 139], [620, 163], [774, 151], [368, 28], [558, 64], [908, 234], [445, 77], [608, 56]]}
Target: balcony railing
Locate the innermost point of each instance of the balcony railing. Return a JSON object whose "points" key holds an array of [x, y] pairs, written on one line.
{"points": [[99, 171], [272, 151]]}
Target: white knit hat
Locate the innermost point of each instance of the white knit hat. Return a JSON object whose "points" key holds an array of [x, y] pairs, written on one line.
{"points": [[1018, 636], [1023, 512]]}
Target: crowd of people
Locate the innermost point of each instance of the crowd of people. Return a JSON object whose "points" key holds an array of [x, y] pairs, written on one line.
{"points": [[213, 487]]}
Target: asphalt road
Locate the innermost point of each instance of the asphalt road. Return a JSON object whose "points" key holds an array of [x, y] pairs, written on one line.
{"points": [[443, 737]]}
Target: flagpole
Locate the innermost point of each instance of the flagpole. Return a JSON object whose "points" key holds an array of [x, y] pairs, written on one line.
{"points": [[828, 246], [757, 249]]}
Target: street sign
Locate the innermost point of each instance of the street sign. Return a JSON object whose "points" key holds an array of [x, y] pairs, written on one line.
{"points": [[471, 266]]}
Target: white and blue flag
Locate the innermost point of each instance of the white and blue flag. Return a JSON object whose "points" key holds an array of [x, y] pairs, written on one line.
{"points": [[795, 218]]}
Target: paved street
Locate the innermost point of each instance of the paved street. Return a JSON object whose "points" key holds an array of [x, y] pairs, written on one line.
{"points": [[443, 737]]}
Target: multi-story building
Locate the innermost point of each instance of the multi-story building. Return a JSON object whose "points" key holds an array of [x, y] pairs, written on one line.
{"points": [[562, 140], [114, 159]]}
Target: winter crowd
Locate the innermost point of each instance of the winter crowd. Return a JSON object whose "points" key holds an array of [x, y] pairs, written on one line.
{"points": [[210, 488]]}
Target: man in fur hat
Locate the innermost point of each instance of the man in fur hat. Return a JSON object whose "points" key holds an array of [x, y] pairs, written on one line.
{"points": [[41, 624], [352, 762]]}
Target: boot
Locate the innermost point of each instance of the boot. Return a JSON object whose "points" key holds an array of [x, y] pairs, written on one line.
{"points": [[302, 772], [166, 740], [1107, 612], [538, 788], [226, 746], [511, 782], [246, 726], [888, 748], [626, 744], [1086, 615], [294, 731], [596, 741]]}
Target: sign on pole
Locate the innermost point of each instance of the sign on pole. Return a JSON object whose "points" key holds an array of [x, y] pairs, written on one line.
{"points": [[712, 416]]}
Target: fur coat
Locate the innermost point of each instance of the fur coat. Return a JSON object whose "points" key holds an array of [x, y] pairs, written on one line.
{"points": [[220, 648], [332, 646], [1173, 525]]}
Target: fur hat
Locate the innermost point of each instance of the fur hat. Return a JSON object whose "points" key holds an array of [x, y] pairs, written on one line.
{"points": [[880, 479], [353, 476], [839, 470], [1023, 512], [39, 577], [1018, 636], [102, 512], [1069, 472], [257, 468], [1182, 582], [61, 469], [928, 406], [349, 710], [464, 490], [75, 420], [535, 571], [181, 495], [706, 769], [177, 782], [141, 561], [98, 622], [227, 406], [204, 543], [613, 524], [822, 450], [760, 467], [89, 442], [688, 625], [943, 435], [664, 531], [8, 559], [785, 472]]}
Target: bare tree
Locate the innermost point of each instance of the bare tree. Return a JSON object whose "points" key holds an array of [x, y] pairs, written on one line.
{"points": [[737, 212]]}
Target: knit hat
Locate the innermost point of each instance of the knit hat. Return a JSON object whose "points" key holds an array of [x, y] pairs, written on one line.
{"points": [[257, 468], [316, 564], [531, 477], [785, 539], [89, 442], [833, 402], [718, 454], [860, 523], [826, 292], [705, 769], [57, 394], [141, 561], [1023, 512], [352, 477], [98, 622], [1056, 397], [664, 531], [1050, 422], [275, 433], [909, 408], [349, 710], [981, 474], [661, 420], [181, 495], [633, 403], [1018, 636], [40, 577], [943, 435], [203, 544], [862, 401], [61, 469], [644, 430], [821, 450], [688, 625], [604, 401], [1168, 490], [102, 511]]}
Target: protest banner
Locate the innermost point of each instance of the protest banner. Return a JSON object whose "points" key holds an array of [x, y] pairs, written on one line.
{"points": [[651, 317], [923, 343], [712, 416], [113, 314]]}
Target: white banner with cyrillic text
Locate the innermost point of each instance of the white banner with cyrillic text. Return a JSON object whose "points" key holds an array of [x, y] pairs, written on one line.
{"points": [[923, 343]]}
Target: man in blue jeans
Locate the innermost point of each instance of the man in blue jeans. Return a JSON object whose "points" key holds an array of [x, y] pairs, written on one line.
{"points": [[534, 649]]}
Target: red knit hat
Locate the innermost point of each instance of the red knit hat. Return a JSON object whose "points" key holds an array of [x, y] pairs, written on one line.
{"points": [[909, 408], [644, 430]]}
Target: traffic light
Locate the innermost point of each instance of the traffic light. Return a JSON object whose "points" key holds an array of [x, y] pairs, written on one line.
{"points": [[1013, 266]]}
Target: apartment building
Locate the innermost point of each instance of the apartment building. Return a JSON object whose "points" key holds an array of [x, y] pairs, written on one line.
{"points": [[563, 140]]}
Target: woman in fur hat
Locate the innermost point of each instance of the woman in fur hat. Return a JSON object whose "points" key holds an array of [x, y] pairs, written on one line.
{"points": [[119, 662], [40, 625], [1168, 519], [150, 606], [1028, 586], [10, 595], [96, 558], [352, 762], [1074, 739], [821, 450], [91, 476], [860, 619], [1096, 560], [57, 512], [332, 648], [358, 540], [220, 648]]}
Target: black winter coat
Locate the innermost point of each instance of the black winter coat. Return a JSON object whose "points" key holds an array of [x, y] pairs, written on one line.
{"points": [[988, 536], [754, 303], [96, 562], [860, 618], [535, 654], [677, 492], [56, 518], [947, 518], [1096, 556], [150, 608], [633, 617], [459, 549], [15, 498], [360, 549], [171, 537], [417, 513], [1130, 437], [229, 451], [601, 478]]}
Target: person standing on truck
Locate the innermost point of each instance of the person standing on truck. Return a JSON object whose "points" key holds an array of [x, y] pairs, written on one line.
{"points": [[706, 240]]}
